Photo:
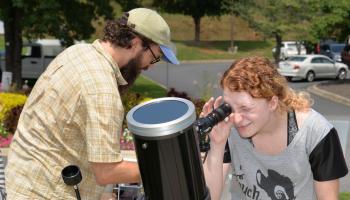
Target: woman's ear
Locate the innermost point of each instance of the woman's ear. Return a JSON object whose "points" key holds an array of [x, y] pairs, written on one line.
{"points": [[273, 103]]}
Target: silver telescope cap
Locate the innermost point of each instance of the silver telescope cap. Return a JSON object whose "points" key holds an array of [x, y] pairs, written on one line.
{"points": [[161, 117]]}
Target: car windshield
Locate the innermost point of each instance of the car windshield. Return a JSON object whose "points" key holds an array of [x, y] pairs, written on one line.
{"points": [[297, 59], [337, 48], [292, 45]]}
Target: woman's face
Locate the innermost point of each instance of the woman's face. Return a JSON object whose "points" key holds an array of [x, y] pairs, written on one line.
{"points": [[251, 115]]}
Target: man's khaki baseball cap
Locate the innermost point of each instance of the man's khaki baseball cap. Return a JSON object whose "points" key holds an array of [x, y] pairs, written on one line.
{"points": [[150, 24]]}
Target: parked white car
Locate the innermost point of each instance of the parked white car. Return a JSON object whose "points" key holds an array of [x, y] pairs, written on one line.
{"points": [[310, 67], [36, 56], [290, 48]]}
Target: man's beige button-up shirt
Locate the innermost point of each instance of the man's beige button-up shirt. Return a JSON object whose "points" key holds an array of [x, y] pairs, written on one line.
{"points": [[73, 116]]}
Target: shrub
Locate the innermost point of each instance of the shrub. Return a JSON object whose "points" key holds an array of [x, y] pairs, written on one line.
{"points": [[173, 93], [130, 99], [5, 137], [11, 118], [198, 103], [8, 101]]}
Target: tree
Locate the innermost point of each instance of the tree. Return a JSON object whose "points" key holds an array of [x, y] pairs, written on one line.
{"points": [[67, 20], [277, 18], [233, 7], [129, 4], [331, 19], [194, 8]]}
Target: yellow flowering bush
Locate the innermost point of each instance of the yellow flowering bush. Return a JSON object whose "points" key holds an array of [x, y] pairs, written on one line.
{"points": [[8, 101], [130, 100], [10, 108]]}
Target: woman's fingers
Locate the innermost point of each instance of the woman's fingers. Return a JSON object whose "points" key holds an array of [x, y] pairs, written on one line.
{"points": [[208, 107], [218, 102]]}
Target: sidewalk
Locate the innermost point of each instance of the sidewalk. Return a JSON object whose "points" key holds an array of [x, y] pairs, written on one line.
{"points": [[338, 91]]}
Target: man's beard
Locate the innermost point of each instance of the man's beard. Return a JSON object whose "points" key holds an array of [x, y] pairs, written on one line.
{"points": [[130, 72]]}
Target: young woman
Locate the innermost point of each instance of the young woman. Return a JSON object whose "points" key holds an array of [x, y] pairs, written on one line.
{"points": [[280, 148]]}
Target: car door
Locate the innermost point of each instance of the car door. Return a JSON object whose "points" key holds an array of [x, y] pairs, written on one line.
{"points": [[316, 66], [328, 68], [31, 61]]}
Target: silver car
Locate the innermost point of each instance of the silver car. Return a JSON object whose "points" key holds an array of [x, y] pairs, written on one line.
{"points": [[310, 67]]}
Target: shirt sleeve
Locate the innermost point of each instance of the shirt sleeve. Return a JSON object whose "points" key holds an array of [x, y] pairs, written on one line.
{"points": [[327, 159], [105, 115]]}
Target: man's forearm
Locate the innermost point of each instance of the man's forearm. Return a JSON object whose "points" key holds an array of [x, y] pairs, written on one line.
{"points": [[121, 172]]}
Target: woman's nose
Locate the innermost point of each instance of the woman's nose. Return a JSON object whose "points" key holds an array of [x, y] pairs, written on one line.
{"points": [[237, 118]]}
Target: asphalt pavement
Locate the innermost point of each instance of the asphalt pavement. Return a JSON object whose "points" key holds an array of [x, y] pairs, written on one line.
{"points": [[335, 90]]}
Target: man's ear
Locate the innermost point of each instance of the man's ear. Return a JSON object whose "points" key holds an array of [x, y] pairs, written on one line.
{"points": [[273, 103], [136, 44]]}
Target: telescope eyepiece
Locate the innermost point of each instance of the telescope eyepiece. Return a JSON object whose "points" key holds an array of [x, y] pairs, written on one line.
{"points": [[205, 124]]}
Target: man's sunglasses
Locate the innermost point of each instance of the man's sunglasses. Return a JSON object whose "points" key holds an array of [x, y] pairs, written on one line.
{"points": [[156, 59]]}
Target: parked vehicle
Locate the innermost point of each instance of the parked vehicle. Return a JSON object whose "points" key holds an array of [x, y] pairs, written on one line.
{"points": [[36, 56], [332, 50], [345, 55], [290, 48], [310, 67]]}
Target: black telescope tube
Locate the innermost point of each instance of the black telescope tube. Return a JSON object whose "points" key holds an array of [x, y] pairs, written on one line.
{"points": [[167, 150]]}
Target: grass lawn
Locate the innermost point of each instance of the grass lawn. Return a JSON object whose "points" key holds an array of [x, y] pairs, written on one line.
{"points": [[148, 88], [2, 42], [211, 50], [344, 196]]}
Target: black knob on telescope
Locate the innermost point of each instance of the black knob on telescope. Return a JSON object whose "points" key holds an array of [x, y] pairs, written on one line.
{"points": [[71, 176]]}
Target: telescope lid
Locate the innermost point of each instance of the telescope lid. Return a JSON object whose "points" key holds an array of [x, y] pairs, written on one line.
{"points": [[161, 117]]}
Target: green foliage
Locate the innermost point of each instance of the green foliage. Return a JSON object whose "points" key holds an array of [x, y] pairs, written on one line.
{"points": [[278, 17], [67, 20], [344, 196], [147, 88], [129, 4], [211, 50], [64, 24], [331, 19], [194, 8], [9, 101], [11, 119], [3, 132], [2, 45], [130, 99], [56, 18]]}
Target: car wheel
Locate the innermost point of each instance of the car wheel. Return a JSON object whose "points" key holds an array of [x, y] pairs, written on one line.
{"points": [[289, 78], [342, 74], [310, 76]]}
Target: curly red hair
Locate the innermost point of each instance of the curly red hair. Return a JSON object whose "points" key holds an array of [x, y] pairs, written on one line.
{"points": [[259, 77]]}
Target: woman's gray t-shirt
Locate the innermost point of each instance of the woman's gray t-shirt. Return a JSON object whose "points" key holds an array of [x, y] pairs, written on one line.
{"points": [[310, 156]]}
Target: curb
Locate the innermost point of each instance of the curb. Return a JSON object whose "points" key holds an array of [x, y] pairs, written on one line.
{"points": [[328, 95]]}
